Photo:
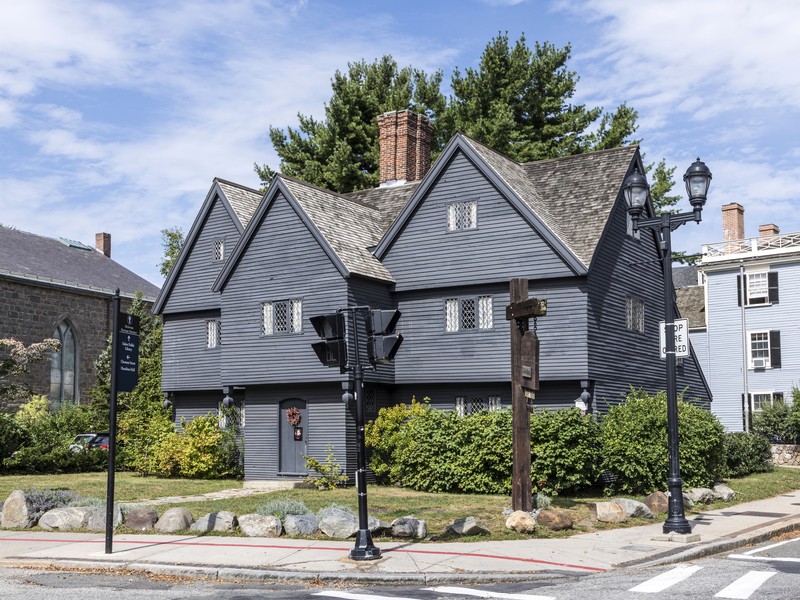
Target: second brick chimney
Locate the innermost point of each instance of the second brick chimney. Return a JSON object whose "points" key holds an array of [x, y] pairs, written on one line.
{"points": [[405, 146], [769, 229], [732, 222], [102, 242]]}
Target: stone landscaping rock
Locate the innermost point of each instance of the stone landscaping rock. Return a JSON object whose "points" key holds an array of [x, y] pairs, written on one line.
{"points": [[723, 492], [222, 520], [97, 519], [468, 526], [657, 502], [375, 525], [260, 525], [634, 508], [174, 519], [521, 522], [687, 501], [700, 495], [337, 522], [555, 520], [66, 518], [409, 527], [300, 524], [608, 512], [17, 512], [140, 519]]}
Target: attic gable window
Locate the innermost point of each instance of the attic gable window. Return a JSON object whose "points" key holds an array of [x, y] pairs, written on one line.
{"points": [[219, 250], [282, 316], [466, 314], [462, 215]]}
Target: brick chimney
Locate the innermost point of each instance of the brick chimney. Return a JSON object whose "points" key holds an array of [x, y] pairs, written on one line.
{"points": [[102, 243], [405, 147], [732, 222], [769, 229]]}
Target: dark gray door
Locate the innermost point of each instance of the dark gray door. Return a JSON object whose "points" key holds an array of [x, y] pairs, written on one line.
{"points": [[293, 433]]}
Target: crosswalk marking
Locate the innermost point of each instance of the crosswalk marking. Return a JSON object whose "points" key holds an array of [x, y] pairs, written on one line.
{"points": [[485, 594], [351, 596], [743, 588], [665, 580]]}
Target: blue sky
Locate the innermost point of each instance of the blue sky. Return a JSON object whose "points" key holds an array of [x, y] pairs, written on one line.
{"points": [[116, 115]]}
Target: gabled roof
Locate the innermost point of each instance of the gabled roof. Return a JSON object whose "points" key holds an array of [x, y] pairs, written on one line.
{"points": [[345, 229], [240, 202], [389, 201], [62, 263], [566, 200]]}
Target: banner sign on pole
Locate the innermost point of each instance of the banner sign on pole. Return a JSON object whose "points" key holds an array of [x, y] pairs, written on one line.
{"points": [[128, 353]]}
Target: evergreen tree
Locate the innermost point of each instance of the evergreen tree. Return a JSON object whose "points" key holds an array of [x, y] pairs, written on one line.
{"points": [[663, 181], [341, 152]]}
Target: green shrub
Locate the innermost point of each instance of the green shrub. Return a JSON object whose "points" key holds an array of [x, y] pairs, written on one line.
{"points": [[635, 449], [280, 507], [427, 452], [775, 422], [383, 438], [13, 436], [565, 451], [32, 461], [329, 472], [481, 453], [42, 500], [746, 453]]}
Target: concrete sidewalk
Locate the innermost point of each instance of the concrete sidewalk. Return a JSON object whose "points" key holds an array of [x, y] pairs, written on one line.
{"points": [[233, 558]]}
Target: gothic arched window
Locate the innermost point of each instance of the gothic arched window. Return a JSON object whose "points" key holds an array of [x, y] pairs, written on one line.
{"points": [[63, 370]]}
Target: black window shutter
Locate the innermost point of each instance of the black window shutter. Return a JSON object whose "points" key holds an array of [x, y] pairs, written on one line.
{"points": [[775, 348], [739, 290], [772, 281], [777, 397]]}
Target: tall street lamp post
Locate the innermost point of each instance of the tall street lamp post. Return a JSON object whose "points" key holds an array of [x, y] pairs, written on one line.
{"points": [[636, 190]]}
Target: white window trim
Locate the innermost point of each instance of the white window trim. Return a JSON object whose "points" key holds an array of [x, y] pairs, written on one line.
{"points": [[213, 334], [748, 298], [294, 318], [770, 393], [467, 207], [484, 313], [750, 360]]}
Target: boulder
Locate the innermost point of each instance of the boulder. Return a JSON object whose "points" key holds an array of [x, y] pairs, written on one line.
{"points": [[222, 520], [657, 502], [699, 495], [723, 492], [66, 518], [174, 519], [687, 501], [375, 525], [253, 525], [409, 527], [337, 522], [300, 524], [555, 520], [17, 512], [97, 519], [140, 519], [468, 526], [608, 512], [521, 522], [634, 508]]}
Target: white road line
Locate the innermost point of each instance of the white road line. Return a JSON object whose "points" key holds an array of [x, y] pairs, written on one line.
{"points": [[765, 558], [485, 594], [665, 580], [349, 596], [754, 550], [744, 587]]}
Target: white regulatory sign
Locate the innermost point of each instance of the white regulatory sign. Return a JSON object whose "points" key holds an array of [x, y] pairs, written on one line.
{"points": [[681, 338]]}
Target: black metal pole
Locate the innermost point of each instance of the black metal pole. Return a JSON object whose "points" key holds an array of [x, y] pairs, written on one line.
{"points": [[112, 424], [676, 521], [364, 548]]}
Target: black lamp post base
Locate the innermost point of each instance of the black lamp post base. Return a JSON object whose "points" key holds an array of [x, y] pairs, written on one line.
{"points": [[365, 549], [677, 525]]}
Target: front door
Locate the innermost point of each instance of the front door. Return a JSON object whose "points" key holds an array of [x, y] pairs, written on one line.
{"points": [[293, 431]]}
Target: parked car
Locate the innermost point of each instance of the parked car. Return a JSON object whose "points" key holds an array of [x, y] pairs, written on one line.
{"points": [[81, 441], [99, 441]]}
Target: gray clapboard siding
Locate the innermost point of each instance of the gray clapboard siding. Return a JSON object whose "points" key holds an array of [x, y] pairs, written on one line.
{"points": [[375, 294], [186, 362], [192, 289], [188, 405], [502, 246], [283, 261], [441, 396]]}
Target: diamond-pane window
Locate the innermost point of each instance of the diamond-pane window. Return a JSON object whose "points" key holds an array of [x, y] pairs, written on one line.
{"points": [[468, 319], [467, 314], [369, 401], [266, 319], [634, 314], [451, 314], [495, 403], [219, 249], [461, 405], [462, 215], [212, 334], [485, 318], [283, 316], [477, 405]]}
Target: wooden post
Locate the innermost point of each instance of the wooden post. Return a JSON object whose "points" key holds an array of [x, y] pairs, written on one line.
{"points": [[521, 490]]}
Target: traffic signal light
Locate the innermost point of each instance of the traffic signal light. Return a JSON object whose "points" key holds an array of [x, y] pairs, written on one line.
{"points": [[332, 351], [382, 341]]}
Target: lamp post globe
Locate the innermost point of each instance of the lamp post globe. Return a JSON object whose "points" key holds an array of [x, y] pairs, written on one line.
{"points": [[697, 179]]}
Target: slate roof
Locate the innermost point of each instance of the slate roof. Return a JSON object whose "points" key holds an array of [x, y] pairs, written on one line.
{"points": [[49, 261], [349, 228], [389, 201], [243, 200], [684, 276], [691, 303]]}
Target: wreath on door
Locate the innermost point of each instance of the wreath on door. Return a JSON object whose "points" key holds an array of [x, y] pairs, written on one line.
{"points": [[293, 416]]}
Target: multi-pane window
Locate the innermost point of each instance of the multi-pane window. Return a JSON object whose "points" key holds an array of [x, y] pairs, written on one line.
{"points": [[213, 332], [757, 288], [63, 380], [467, 405], [219, 249], [465, 314], [282, 316], [634, 314], [759, 350], [462, 215], [762, 400]]}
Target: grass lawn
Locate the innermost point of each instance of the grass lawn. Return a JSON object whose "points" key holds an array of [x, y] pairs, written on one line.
{"points": [[386, 503]]}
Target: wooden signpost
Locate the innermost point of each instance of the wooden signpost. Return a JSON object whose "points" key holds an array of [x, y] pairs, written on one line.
{"points": [[524, 383]]}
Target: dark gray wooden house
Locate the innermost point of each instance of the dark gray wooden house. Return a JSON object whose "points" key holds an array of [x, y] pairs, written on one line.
{"points": [[439, 245]]}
